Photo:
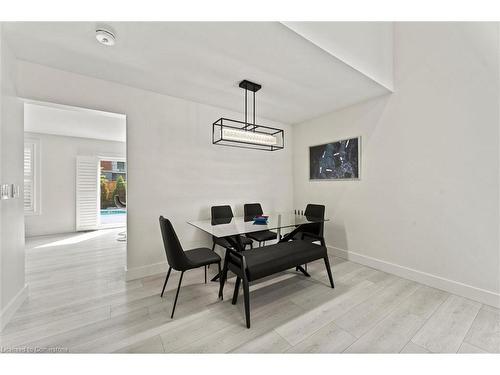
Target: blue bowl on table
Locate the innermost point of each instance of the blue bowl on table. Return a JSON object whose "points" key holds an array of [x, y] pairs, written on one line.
{"points": [[260, 220]]}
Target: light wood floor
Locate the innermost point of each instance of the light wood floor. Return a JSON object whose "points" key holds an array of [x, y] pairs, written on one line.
{"points": [[79, 302]]}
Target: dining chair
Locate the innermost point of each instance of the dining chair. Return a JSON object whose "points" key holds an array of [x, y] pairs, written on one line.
{"points": [[316, 229], [222, 215], [250, 211], [316, 211], [181, 260]]}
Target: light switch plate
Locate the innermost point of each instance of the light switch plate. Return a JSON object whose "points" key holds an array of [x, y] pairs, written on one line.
{"points": [[15, 190], [5, 191]]}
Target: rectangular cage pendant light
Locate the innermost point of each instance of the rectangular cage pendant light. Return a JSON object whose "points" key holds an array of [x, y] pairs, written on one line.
{"points": [[245, 134]]}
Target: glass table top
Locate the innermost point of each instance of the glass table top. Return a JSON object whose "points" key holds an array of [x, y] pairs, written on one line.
{"points": [[241, 225]]}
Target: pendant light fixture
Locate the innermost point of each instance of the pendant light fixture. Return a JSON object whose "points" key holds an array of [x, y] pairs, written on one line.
{"points": [[247, 134]]}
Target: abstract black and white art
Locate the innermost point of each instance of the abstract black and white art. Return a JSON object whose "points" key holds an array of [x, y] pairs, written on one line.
{"points": [[335, 161]]}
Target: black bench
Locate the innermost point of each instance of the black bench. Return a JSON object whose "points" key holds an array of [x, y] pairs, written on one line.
{"points": [[255, 264]]}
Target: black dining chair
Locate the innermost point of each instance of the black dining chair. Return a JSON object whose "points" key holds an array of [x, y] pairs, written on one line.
{"points": [[250, 211], [313, 211], [223, 215], [181, 260], [317, 229]]}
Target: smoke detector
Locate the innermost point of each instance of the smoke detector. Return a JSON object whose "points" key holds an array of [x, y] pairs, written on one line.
{"points": [[105, 37]]}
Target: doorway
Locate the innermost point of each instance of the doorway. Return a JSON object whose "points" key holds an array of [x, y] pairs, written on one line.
{"points": [[69, 153], [112, 192]]}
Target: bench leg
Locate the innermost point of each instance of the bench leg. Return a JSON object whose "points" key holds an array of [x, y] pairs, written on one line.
{"points": [[328, 269], [246, 295], [236, 291]]}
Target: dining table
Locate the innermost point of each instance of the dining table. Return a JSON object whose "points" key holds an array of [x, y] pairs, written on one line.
{"points": [[232, 228]]}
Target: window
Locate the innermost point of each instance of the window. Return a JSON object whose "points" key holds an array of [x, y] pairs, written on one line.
{"points": [[31, 185]]}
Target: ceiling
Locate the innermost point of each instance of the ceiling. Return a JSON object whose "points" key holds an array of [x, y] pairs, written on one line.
{"points": [[203, 62], [47, 118]]}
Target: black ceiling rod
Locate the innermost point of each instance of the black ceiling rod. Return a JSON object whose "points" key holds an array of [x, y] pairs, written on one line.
{"points": [[254, 111], [246, 122], [254, 87]]}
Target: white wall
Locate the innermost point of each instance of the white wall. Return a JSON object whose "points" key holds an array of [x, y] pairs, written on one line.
{"points": [[427, 204], [12, 284], [57, 170], [366, 46], [173, 169], [1, 179], [57, 119]]}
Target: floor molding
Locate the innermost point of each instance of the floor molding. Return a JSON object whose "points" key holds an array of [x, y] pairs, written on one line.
{"points": [[477, 294], [468, 291], [9, 310]]}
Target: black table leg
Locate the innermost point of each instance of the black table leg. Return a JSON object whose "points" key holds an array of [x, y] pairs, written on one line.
{"points": [[301, 269], [237, 244]]}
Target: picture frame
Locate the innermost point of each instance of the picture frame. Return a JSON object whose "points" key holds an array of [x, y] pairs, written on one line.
{"points": [[338, 160]]}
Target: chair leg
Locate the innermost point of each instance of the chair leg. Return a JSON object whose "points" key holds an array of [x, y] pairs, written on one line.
{"points": [[327, 265], [236, 290], [213, 249], [246, 295], [205, 274], [177, 295], [166, 279]]}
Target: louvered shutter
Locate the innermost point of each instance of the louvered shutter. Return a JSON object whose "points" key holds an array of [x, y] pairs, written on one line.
{"points": [[29, 178], [87, 191]]}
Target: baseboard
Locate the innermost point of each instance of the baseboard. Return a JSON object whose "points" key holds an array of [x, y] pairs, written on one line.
{"points": [[468, 291], [9, 310], [144, 271]]}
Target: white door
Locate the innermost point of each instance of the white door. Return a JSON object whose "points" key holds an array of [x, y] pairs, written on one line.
{"points": [[87, 193]]}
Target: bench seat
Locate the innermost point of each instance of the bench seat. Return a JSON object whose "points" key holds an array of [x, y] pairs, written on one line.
{"points": [[268, 260], [251, 265]]}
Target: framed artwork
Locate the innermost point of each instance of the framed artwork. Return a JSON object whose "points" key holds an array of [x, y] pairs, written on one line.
{"points": [[337, 160]]}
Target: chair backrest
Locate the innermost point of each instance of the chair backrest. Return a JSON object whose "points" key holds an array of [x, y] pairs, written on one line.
{"points": [[173, 249], [316, 211], [250, 210], [220, 213]]}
